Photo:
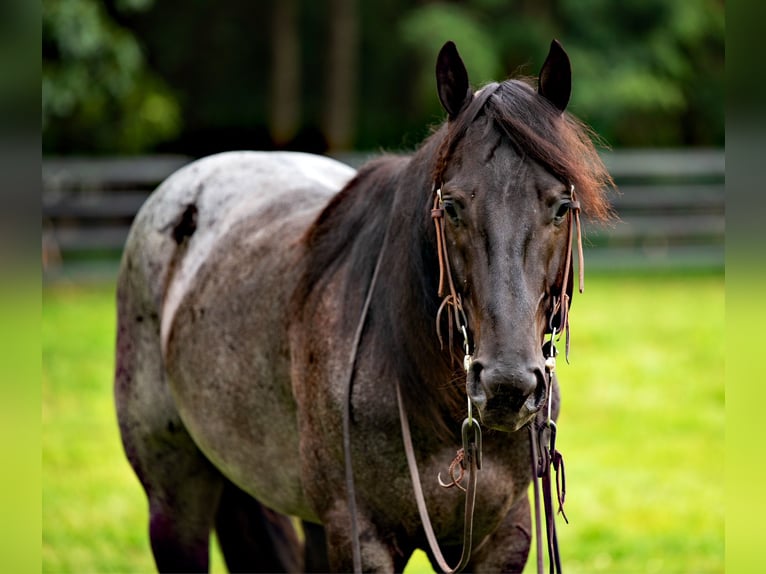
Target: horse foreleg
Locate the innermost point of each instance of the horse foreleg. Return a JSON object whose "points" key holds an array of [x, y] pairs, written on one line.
{"points": [[180, 534], [507, 548], [183, 490], [376, 554]]}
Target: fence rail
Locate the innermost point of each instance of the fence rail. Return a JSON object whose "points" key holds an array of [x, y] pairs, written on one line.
{"points": [[670, 205]]}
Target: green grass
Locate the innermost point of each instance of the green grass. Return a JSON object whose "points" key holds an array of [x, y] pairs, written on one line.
{"points": [[642, 432]]}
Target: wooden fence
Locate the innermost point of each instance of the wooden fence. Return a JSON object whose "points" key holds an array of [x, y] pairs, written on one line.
{"points": [[670, 204], [671, 210]]}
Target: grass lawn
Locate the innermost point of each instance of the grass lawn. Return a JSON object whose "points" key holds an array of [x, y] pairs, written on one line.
{"points": [[642, 432]]}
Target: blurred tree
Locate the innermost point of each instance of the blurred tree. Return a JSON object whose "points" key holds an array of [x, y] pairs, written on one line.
{"points": [[340, 74], [19, 57], [646, 72], [457, 22], [219, 57], [286, 76], [341, 91], [97, 93]]}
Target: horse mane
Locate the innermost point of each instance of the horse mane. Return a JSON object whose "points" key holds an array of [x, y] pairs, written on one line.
{"points": [[350, 227], [349, 234]]}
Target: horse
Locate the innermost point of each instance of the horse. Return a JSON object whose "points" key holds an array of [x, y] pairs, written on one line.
{"points": [[275, 309]]}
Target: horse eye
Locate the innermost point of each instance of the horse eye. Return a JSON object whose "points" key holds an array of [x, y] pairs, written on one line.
{"points": [[451, 210], [561, 211]]}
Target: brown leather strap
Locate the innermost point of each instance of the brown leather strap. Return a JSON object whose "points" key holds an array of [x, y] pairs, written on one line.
{"points": [[536, 489], [472, 452], [562, 302], [542, 459], [554, 559], [452, 297], [543, 440], [542, 436]]}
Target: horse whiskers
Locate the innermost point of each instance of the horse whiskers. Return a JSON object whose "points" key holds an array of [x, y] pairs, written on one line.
{"points": [[458, 378]]}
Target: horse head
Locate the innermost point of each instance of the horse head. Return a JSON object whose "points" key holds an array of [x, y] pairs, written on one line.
{"points": [[508, 176]]}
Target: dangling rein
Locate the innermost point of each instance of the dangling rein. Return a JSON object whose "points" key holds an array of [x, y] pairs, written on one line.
{"points": [[471, 432]]}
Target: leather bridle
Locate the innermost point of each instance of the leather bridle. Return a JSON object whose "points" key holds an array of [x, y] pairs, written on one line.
{"points": [[542, 431]]}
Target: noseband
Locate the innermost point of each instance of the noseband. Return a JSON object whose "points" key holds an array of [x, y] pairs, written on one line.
{"points": [[542, 442]]}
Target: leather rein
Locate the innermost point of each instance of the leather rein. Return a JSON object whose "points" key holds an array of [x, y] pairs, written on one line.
{"points": [[542, 431]]}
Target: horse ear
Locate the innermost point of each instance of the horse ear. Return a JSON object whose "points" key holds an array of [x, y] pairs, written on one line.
{"points": [[555, 82], [452, 80]]}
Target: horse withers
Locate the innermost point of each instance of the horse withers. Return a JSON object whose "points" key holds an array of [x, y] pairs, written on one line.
{"points": [[251, 335]]}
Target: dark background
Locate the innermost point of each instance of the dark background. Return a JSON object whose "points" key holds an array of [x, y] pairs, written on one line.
{"points": [[201, 76]]}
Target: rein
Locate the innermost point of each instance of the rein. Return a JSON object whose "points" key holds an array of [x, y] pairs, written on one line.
{"points": [[349, 470]]}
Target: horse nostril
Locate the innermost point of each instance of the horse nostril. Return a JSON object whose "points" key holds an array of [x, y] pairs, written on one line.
{"points": [[475, 387], [541, 387], [510, 383], [476, 368]]}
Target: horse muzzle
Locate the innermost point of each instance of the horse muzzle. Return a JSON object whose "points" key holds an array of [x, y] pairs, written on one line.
{"points": [[506, 397]]}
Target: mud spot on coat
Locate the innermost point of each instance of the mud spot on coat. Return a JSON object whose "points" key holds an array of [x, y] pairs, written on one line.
{"points": [[186, 225]]}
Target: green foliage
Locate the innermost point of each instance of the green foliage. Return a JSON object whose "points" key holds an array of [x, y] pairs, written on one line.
{"points": [[97, 93], [646, 72], [642, 432], [19, 62], [458, 23]]}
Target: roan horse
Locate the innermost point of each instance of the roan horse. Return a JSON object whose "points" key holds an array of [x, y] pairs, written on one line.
{"points": [[246, 302]]}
